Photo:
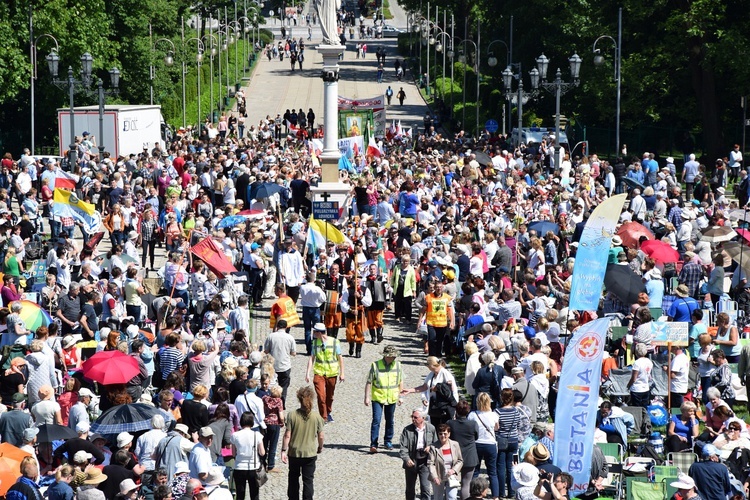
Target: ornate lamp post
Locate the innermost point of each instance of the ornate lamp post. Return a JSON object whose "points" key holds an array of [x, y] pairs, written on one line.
{"points": [[599, 60], [462, 59], [559, 87], [168, 61], [114, 77], [73, 86], [34, 76], [521, 95], [212, 51]]}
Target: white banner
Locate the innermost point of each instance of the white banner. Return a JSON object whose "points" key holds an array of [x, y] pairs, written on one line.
{"points": [[349, 146]]}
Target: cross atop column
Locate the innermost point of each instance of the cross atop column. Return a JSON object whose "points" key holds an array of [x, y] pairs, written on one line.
{"points": [[325, 195]]}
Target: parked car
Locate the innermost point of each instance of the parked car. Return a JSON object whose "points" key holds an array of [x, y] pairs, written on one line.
{"points": [[391, 31]]}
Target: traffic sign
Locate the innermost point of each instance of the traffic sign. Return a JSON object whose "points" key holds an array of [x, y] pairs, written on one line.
{"points": [[326, 210], [491, 126]]}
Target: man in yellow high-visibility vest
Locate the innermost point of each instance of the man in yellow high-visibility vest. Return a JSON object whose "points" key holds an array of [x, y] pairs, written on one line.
{"points": [[327, 366], [383, 387], [440, 318], [284, 308]]}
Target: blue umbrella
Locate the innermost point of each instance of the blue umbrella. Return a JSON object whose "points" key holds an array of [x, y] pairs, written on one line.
{"points": [[268, 189], [542, 226], [230, 221]]}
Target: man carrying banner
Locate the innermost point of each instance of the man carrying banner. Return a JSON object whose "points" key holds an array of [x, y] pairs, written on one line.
{"points": [[376, 287], [335, 284], [353, 302]]}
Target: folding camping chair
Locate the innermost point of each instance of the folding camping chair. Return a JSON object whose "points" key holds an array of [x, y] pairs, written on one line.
{"points": [[665, 471], [639, 488], [682, 460], [614, 450], [612, 485]]}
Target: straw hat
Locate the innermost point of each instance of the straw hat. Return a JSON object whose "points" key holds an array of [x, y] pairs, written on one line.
{"points": [[95, 476]]}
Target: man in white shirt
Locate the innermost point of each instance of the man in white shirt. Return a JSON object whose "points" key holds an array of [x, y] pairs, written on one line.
{"points": [[311, 298], [147, 443], [252, 403], [200, 457], [291, 269], [680, 370]]}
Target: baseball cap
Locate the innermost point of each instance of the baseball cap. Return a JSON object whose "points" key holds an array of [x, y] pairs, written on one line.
{"points": [[30, 433], [205, 432], [19, 397], [82, 456], [85, 393]]}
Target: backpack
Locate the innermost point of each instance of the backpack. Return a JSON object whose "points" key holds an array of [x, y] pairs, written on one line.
{"points": [[649, 451]]}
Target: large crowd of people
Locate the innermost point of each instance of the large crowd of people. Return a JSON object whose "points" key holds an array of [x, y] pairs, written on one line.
{"points": [[471, 243]]}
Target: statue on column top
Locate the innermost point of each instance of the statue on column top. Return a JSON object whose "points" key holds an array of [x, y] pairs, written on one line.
{"points": [[327, 10]]}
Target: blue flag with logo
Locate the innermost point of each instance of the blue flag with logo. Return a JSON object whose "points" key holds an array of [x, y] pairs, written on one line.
{"points": [[578, 394]]}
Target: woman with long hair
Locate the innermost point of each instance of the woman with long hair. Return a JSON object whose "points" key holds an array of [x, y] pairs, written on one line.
{"points": [[222, 426], [506, 437], [727, 337], [465, 432], [486, 443], [247, 446]]}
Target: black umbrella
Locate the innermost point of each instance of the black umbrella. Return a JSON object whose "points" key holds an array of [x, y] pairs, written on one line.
{"points": [[268, 189], [134, 417], [483, 158], [633, 183], [623, 283], [54, 432]]}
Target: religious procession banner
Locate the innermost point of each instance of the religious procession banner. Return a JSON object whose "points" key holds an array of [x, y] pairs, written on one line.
{"points": [[578, 394], [355, 123], [374, 104], [591, 258]]}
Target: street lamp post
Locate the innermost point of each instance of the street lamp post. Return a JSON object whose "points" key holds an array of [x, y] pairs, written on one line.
{"points": [[198, 60], [114, 76], [559, 88], [223, 46], [599, 60], [73, 85], [238, 34], [245, 30], [439, 46], [34, 76], [212, 51], [508, 77], [492, 62], [168, 61], [462, 58]]}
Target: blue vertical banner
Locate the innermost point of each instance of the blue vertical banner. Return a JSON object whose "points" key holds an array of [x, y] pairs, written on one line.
{"points": [[578, 394], [593, 250]]}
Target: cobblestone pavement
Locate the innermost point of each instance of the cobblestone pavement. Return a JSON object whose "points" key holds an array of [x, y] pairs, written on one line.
{"points": [[345, 469]]}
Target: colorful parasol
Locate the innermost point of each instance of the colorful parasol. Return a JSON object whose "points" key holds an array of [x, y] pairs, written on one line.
{"points": [[33, 315], [631, 233], [10, 466], [110, 367], [660, 251]]}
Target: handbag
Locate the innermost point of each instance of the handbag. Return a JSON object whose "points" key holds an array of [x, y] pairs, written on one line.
{"points": [[261, 475], [502, 440], [453, 481]]}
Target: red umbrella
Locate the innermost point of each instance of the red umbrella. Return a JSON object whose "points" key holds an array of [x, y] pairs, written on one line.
{"points": [[660, 251], [110, 367], [631, 232], [744, 233]]}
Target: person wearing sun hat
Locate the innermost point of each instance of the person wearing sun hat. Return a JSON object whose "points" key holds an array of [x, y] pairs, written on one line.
{"points": [[682, 308], [90, 490], [383, 388], [128, 489], [524, 480], [614, 250]]}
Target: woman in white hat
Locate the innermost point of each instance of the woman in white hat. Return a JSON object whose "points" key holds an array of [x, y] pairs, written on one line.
{"points": [[686, 487], [525, 479]]}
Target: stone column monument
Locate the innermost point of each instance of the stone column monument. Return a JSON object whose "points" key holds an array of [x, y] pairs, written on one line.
{"points": [[330, 49]]}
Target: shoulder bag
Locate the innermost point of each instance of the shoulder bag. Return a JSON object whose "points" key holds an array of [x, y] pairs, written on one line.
{"points": [[261, 475], [502, 440]]}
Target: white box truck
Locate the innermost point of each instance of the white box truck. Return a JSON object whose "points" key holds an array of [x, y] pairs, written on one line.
{"points": [[127, 128]]}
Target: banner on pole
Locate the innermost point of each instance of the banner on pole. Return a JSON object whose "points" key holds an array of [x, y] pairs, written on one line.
{"points": [[591, 258], [578, 394], [375, 104]]}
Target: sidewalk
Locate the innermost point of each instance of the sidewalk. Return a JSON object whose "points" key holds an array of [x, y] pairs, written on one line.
{"points": [[274, 88]]}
